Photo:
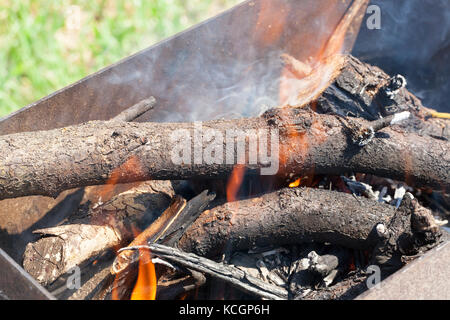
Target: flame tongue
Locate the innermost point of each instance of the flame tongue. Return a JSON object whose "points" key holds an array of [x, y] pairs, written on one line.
{"points": [[145, 287], [146, 283], [295, 184], [235, 182], [151, 234]]}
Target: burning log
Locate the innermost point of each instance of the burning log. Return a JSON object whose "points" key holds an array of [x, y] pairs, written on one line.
{"points": [[95, 230], [166, 229], [290, 216], [366, 91], [47, 162]]}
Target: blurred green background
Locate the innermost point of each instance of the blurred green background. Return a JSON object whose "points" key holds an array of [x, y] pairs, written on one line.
{"points": [[46, 44]]}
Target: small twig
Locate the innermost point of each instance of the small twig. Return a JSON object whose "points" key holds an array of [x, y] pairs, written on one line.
{"points": [[362, 135], [136, 111], [379, 124], [227, 273]]}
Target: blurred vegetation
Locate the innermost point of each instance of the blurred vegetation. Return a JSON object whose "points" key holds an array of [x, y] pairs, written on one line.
{"points": [[46, 45]]}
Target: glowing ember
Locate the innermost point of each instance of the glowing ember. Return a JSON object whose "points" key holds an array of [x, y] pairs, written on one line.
{"points": [[442, 115], [146, 283], [295, 184]]}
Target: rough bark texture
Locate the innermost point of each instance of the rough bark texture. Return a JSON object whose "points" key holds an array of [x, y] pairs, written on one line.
{"points": [[287, 216], [291, 216], [48, 162], [94, 230]]}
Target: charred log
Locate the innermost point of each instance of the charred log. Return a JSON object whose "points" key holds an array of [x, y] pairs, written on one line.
{"points": [[48, 162], [230, 274], [291, 216], [366, 91]]}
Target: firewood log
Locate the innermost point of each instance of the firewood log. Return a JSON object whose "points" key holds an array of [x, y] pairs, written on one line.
{"points": [[300, 215], [94, 230], [48, 162]]}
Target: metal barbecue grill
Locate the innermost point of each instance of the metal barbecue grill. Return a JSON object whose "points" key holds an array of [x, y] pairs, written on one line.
{"points": [[203, 67]]}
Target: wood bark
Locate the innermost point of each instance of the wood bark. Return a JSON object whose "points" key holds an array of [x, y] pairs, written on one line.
{"points": [[48, 162], [91, 231], [136, 111], [290, 216], [365, 91]]}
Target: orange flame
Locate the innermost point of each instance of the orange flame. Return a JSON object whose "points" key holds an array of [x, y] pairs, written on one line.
{"points": [[131, 167], [235, 182], [146, 283], [295, 184]]}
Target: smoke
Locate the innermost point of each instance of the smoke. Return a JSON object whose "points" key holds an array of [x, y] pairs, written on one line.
{"points": [[414, 40], [229, 67]]}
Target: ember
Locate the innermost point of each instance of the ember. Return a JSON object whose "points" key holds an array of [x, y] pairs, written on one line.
{"points": [[295, 184]]}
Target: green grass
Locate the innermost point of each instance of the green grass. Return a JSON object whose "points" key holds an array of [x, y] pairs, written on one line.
{"points": [[46, 45]]}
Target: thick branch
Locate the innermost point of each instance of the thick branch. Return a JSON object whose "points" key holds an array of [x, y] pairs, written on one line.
{"points": [[290, 216], [45, 163], [48, 162]]}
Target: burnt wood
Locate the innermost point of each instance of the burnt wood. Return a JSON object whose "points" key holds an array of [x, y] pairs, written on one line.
{"points": [[300, 215], [48, 162]]}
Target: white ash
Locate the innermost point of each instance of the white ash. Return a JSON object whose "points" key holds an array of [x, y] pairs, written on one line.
{"points": [[323, 265], [381, 229], [382, 195], [164, 263], [329, 279], [399, 117], [440, 222], [274, 252]]}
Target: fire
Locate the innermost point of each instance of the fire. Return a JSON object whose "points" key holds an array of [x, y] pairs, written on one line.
{"points": [[131, 167], [302, 81], [146, 283], [235, 182], [295, 184]]}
